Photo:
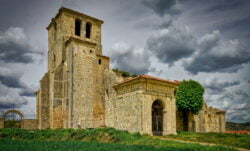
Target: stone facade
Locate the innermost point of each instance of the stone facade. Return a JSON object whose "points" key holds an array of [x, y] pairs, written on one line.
{"points": [[133, 104], [1, 123], [80, 91], [25, 123], [207, 120], [29, 124]]}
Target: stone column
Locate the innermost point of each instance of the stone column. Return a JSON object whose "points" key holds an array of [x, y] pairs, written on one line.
{"points": [[169, 116], [222, 123], [147, 115], [166, 120]]}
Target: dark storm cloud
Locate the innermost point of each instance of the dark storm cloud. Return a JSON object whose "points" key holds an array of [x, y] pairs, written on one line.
{"points": [[9, 102], [15, 52], [242, 116], [27, 91], [236, 104], [237, 99], [14, 47], [12, 81], [12, 53], [242, 93], [217, 87], [167, 10], [208, 54], [172, 44], [10, 97], [127, 58], [223, 5], [232, 17], [162, 7], [215, 55]]}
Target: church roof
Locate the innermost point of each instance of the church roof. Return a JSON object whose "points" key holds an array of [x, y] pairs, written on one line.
{"points": [[149, 77]]}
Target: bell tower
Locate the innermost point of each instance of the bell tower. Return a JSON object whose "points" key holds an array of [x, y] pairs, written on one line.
{"points": [[71, 24], [76, 67]]}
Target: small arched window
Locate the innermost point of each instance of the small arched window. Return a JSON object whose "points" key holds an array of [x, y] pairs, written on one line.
{"points": [[77, 27], [88, 30], [100, 61], [55, 31], [54, 58]]}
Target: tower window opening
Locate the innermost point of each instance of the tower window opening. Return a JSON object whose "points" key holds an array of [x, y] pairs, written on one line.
{"points": [[88, 30], [55, 31], [100, 61], [54, 58], [77, 27]]}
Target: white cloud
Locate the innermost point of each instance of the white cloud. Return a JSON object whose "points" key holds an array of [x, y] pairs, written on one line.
{"points": [[125, 57]]}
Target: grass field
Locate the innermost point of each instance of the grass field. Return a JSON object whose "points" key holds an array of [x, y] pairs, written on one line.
{"points": [[236, 140], [36, 145], [95, 139]]}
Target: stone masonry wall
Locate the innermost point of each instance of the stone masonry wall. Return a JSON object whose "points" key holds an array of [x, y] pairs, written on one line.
{"points": [[207, 120], [128, 112], [58, 112], [29, 124], [62, 28], [214, 120], [83, 86], [69, 85], [111, 79], [1, 123], [100, 64], [38, 109], [133, 106], [44, 121], [75, 94]]}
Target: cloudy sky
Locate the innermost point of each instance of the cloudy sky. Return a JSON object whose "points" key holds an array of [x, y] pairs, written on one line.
{"points": [[205, 40]]}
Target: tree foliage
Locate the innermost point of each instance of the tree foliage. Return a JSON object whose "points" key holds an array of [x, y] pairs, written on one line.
{"points": [[189, 96], [124, 73]]}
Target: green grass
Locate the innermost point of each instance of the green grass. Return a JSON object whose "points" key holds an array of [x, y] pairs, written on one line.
{"points": [[29, 145], [94, 139], [236, 140]]}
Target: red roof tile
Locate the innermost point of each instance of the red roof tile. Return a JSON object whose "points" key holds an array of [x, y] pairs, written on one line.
{"points": [[149, 77]]}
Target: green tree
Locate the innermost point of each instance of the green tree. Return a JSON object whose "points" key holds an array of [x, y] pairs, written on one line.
{"points": [[189, 98]]}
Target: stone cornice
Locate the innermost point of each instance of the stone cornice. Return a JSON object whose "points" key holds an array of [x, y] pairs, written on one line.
{"points": [[80, 41], [148, 79], [63, 9], [103, 56]]}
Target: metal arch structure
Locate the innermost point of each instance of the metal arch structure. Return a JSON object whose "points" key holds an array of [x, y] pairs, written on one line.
{"points": [[13, 111]]}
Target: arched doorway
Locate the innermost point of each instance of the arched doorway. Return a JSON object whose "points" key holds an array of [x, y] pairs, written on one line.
{"points": [[157, 118], [12, 119]]}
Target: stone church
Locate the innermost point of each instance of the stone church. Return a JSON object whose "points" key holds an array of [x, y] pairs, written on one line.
{"points": [[80, 91]]}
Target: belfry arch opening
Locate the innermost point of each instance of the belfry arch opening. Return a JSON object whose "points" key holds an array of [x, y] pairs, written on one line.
{"points": [[157, 117], [77, 27], [55, 31], [88, 29]]}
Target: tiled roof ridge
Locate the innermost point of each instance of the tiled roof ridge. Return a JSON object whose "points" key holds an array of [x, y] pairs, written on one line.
{"points": [[149, 77]]}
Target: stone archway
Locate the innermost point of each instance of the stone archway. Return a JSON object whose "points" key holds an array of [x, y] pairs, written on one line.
{"points": [[13, 111], [157, 117]]}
